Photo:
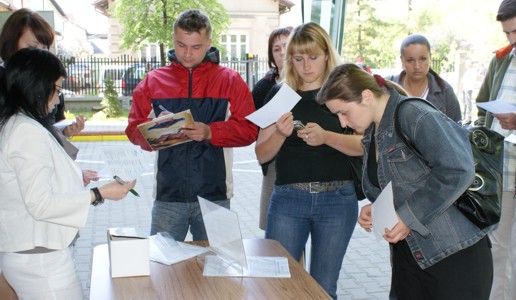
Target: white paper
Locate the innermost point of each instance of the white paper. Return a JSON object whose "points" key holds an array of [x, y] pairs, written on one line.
{"points": [[497, 107], [258, 266], [383, 212], [61, 125], [511, 138], [284, 100], [125, 162], [165, 250]]}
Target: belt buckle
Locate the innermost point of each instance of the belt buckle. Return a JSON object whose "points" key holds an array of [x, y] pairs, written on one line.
{"points": [[315, 185]]}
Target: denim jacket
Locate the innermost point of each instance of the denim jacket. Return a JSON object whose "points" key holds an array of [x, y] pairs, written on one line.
{"points": [[424, 192]]}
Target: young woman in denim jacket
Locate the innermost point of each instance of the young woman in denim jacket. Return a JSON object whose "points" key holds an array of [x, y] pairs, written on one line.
{"points": [[436, 252]]}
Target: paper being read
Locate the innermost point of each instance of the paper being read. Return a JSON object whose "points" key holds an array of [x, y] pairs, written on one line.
{"points": [[497, 106], [383, 212], [284, 100]]}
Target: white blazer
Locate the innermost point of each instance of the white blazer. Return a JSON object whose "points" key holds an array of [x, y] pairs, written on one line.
{"points": [[43, 201]]}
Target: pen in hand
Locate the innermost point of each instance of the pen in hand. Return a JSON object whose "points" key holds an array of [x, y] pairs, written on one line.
{"points": [[119, 180]]}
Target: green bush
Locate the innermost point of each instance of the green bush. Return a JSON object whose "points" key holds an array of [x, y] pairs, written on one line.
{"points": [[112, 107]]}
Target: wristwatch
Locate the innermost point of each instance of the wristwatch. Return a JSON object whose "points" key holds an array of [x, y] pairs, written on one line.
{"points": [[98, 197]]}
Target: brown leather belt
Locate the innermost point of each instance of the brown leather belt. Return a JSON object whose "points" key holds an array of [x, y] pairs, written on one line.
{"points": [[319, 187]]}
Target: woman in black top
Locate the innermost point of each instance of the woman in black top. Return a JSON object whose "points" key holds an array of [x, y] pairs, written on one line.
{"points": [[313, 194]]}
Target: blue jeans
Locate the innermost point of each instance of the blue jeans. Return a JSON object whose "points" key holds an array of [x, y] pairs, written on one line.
{"points": [[176, 217], [329, 217]]}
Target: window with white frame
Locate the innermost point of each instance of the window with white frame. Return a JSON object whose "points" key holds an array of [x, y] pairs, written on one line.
{"points": [[235, 44]]}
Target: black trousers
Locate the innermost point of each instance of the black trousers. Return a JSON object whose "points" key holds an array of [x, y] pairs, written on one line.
{"points": [[467, 274]]}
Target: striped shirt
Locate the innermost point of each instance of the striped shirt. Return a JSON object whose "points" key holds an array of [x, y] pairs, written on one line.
{"points": [[507, 93]]}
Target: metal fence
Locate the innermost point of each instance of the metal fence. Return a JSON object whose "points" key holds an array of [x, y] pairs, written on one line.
{"points": [[87, 76]]}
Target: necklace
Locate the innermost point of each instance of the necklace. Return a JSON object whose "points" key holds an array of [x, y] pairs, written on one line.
{"points": [[424, 92], [406, 86]]}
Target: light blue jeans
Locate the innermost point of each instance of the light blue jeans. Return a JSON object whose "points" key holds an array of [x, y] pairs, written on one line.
{"points": [[176, 217], [329, 217]]}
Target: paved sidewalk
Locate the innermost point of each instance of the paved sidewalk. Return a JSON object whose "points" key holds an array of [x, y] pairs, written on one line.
{"points": [[365, 272]]}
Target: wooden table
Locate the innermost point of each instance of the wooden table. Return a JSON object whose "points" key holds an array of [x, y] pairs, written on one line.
{"points": [[184, 280]]}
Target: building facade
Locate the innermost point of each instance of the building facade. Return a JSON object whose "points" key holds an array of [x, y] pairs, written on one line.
{"points": [[248, 32]]}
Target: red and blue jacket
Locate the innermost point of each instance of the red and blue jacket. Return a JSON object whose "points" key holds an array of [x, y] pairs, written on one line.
{"points": [[216, 96]]}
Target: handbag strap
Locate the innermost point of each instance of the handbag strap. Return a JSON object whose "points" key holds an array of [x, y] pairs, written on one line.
{"points": [[402, 136]]}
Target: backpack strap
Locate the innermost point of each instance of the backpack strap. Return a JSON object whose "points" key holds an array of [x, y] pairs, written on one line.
{"points": [[402, 136]]}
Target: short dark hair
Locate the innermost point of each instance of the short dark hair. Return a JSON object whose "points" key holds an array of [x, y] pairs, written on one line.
{"points": [[27, 85], [414, 39], [17, 24], [193, 20], [421, 40], [273, 36], [506, 11]]}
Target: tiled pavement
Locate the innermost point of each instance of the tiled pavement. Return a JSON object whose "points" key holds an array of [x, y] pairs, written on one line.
{"points": [[365, 272]]}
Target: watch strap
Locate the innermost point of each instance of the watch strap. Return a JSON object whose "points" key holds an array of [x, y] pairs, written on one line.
{"points": [[98, 197]]}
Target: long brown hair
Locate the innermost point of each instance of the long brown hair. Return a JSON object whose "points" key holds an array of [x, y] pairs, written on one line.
{"points": [[346, 83], [20, 21]]}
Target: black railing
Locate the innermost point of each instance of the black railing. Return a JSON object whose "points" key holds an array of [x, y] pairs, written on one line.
{"points": [[86, 76]]}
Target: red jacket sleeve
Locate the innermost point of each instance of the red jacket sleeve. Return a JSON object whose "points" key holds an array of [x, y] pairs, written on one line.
{"points": [[236, 131], [138, 114]]}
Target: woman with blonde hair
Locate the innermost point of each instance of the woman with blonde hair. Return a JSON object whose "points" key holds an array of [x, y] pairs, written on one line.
{"points": [[313, 193]]}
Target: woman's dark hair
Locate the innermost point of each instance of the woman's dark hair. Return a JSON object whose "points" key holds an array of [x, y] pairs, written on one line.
{"points": [[27, 85], [347, 81], [419, 39], [273, 72], [276, 33], [20, 21]]}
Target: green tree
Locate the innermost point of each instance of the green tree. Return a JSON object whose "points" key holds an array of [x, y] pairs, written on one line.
{"points": [[110, 102], [151, 21], [369, 36]]}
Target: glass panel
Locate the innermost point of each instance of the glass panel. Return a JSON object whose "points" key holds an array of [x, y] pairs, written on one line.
{"points": [[242, 38], [224, 38], [233, 52], [243, 51], [233, 38]]}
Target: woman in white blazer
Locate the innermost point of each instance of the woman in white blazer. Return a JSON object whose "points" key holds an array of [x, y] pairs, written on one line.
{"points": [[43, 202]]}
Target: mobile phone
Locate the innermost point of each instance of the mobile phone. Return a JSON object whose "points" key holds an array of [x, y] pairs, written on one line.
{"points": [[298, 125]]}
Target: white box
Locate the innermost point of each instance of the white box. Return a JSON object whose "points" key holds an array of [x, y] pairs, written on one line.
{"points": [[128, 252]]}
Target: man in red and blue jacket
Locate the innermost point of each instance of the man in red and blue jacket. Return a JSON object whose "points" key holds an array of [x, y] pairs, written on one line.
{"points": [[219, 99]]}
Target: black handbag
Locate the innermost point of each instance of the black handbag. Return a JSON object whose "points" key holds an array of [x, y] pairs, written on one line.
{"points": [[480, 203], [355, 164]]}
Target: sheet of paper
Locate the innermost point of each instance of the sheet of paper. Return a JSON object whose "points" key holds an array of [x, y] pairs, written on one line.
{"points": [[511, 138], [383, 212], [284, 100], [125, 162], [165, 250], [497, 106], [258, 266], [61, 125]]}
